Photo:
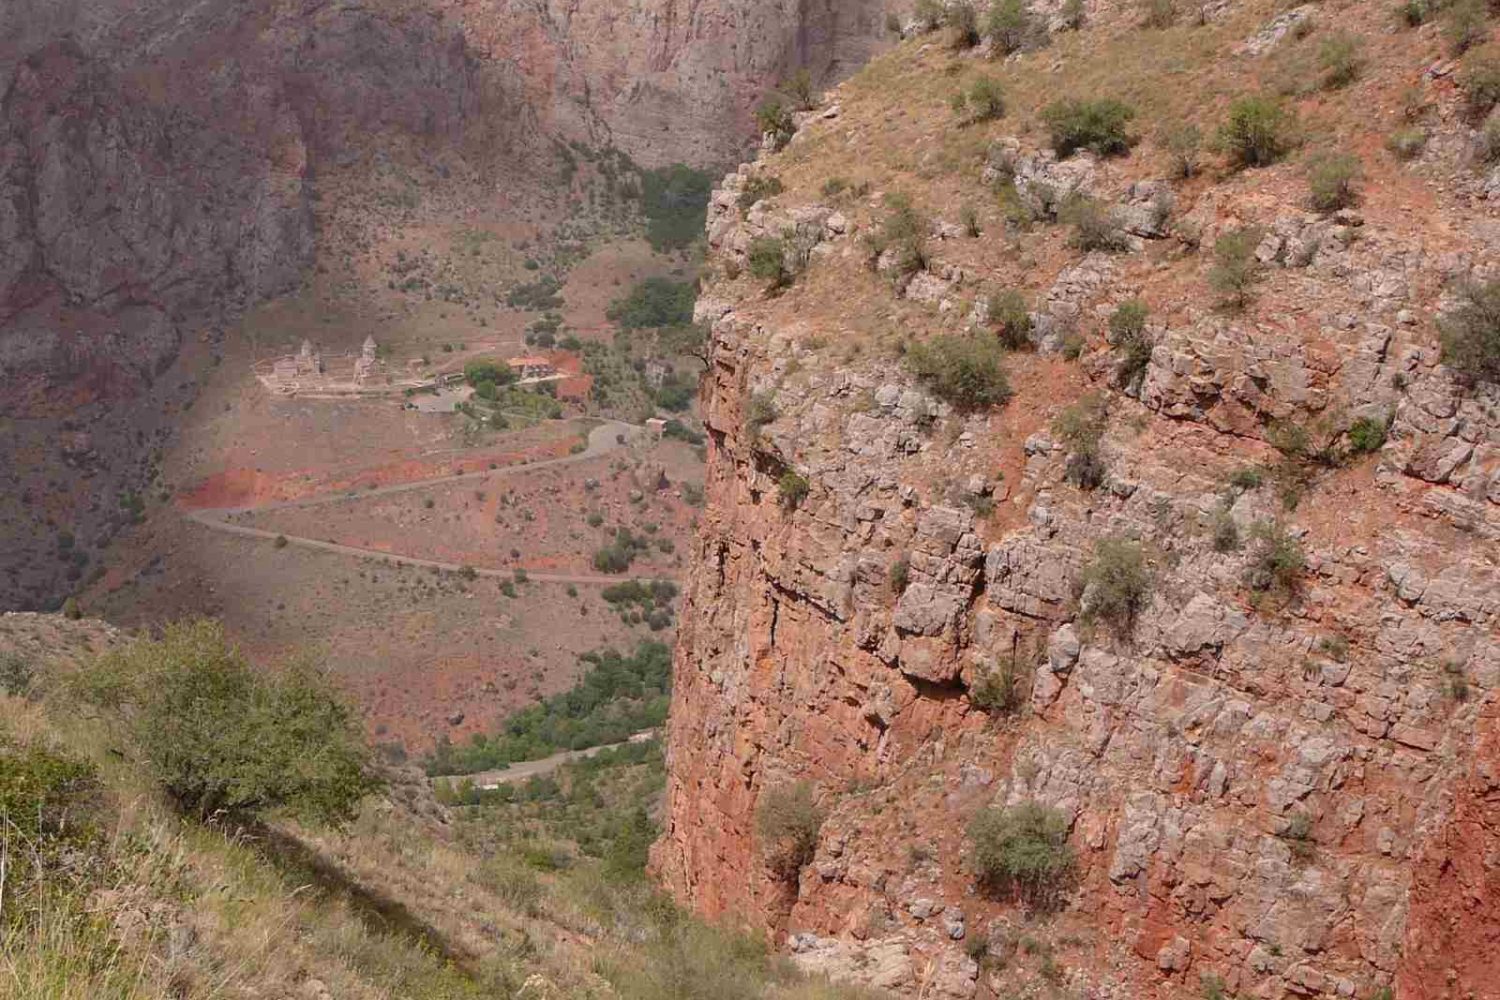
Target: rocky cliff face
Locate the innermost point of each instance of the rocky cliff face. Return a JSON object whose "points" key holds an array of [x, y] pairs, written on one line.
{"points": [[162, 167], [1287, 794]]}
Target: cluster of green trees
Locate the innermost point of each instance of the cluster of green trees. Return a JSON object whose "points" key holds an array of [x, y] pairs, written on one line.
{"points": [[618, 695], [675, 202], [654, 302]]}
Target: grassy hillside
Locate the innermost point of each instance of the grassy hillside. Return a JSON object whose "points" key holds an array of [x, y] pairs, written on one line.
{"points": [[293, 864]]}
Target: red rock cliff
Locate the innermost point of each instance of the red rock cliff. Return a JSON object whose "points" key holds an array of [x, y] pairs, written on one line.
{"points": [[1275, 794]]}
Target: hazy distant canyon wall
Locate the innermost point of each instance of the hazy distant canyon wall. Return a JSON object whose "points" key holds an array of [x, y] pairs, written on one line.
{"points": [[160, 165]]}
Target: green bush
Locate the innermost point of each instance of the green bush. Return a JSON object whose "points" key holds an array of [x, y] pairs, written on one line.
{"points": [[1081, 429], [899, 575], [984, 101], [929, 15], [1333, 181], [767, 257], [1011, 319], [1480, 81], [1072, 15], [1117, 585], [1022, 851], [1487, 149], [1276, 561], [222, 737], [674, 200], [654, 302], [1182, 143], [965, 370], [1235, 271], [1226, 531], [16, 674], [1407, 143], [1127, 325], [962, 21], [793, 489], [774, 119], [999, 690], [1366, 435], [1466, 25], [787, 822], [798, 89], [1257, 131], [757, 188], [1471, 333], [1010, 26], [488, 370], [1341, 57], [1095, 225], [1415, 13], [1099, 126], [904, 231]]}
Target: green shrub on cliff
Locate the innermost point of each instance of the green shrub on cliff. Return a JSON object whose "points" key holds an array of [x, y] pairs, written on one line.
{"points": [[965, 370], [1022, 851], [787, 822]]}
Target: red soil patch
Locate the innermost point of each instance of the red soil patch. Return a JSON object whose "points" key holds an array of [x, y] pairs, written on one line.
{"points": [[253, 487]]}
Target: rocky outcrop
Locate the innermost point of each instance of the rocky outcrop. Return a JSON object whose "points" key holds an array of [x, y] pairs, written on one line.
{"points": [[1269, 790]]}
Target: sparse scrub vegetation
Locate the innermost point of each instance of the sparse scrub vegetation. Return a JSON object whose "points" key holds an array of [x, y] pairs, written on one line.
{"points": [[1341, 57], [1081, 429], [1127, 327], [1407, 143], [984, 100], [1257, 131], [999, 689], [899, 575], [1011, 318], [903, 234], [758, 188], [1333, 181], [1235, 271], [1183, 143], [1276, 562], [962, 21], [793, 489], [1010, 25], [1095, 225], [1471, 333], [1117, 585], [1100, 126], [1023, 852], [965, 370], [787, 823], [774, 119], [1465, 25], [1480, 80], [1366, 435], [767, 257]]}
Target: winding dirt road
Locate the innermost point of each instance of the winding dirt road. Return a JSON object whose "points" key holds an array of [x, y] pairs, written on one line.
{"points": [[604, 439]]}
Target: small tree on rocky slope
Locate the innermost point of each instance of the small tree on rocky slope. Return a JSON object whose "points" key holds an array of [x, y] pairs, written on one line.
{"points": [[787, 821], [1022, 851], [222, 737]]}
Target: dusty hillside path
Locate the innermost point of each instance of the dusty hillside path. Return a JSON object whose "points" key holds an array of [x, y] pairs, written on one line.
{"points": [[608, 437], [524, 769]]}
